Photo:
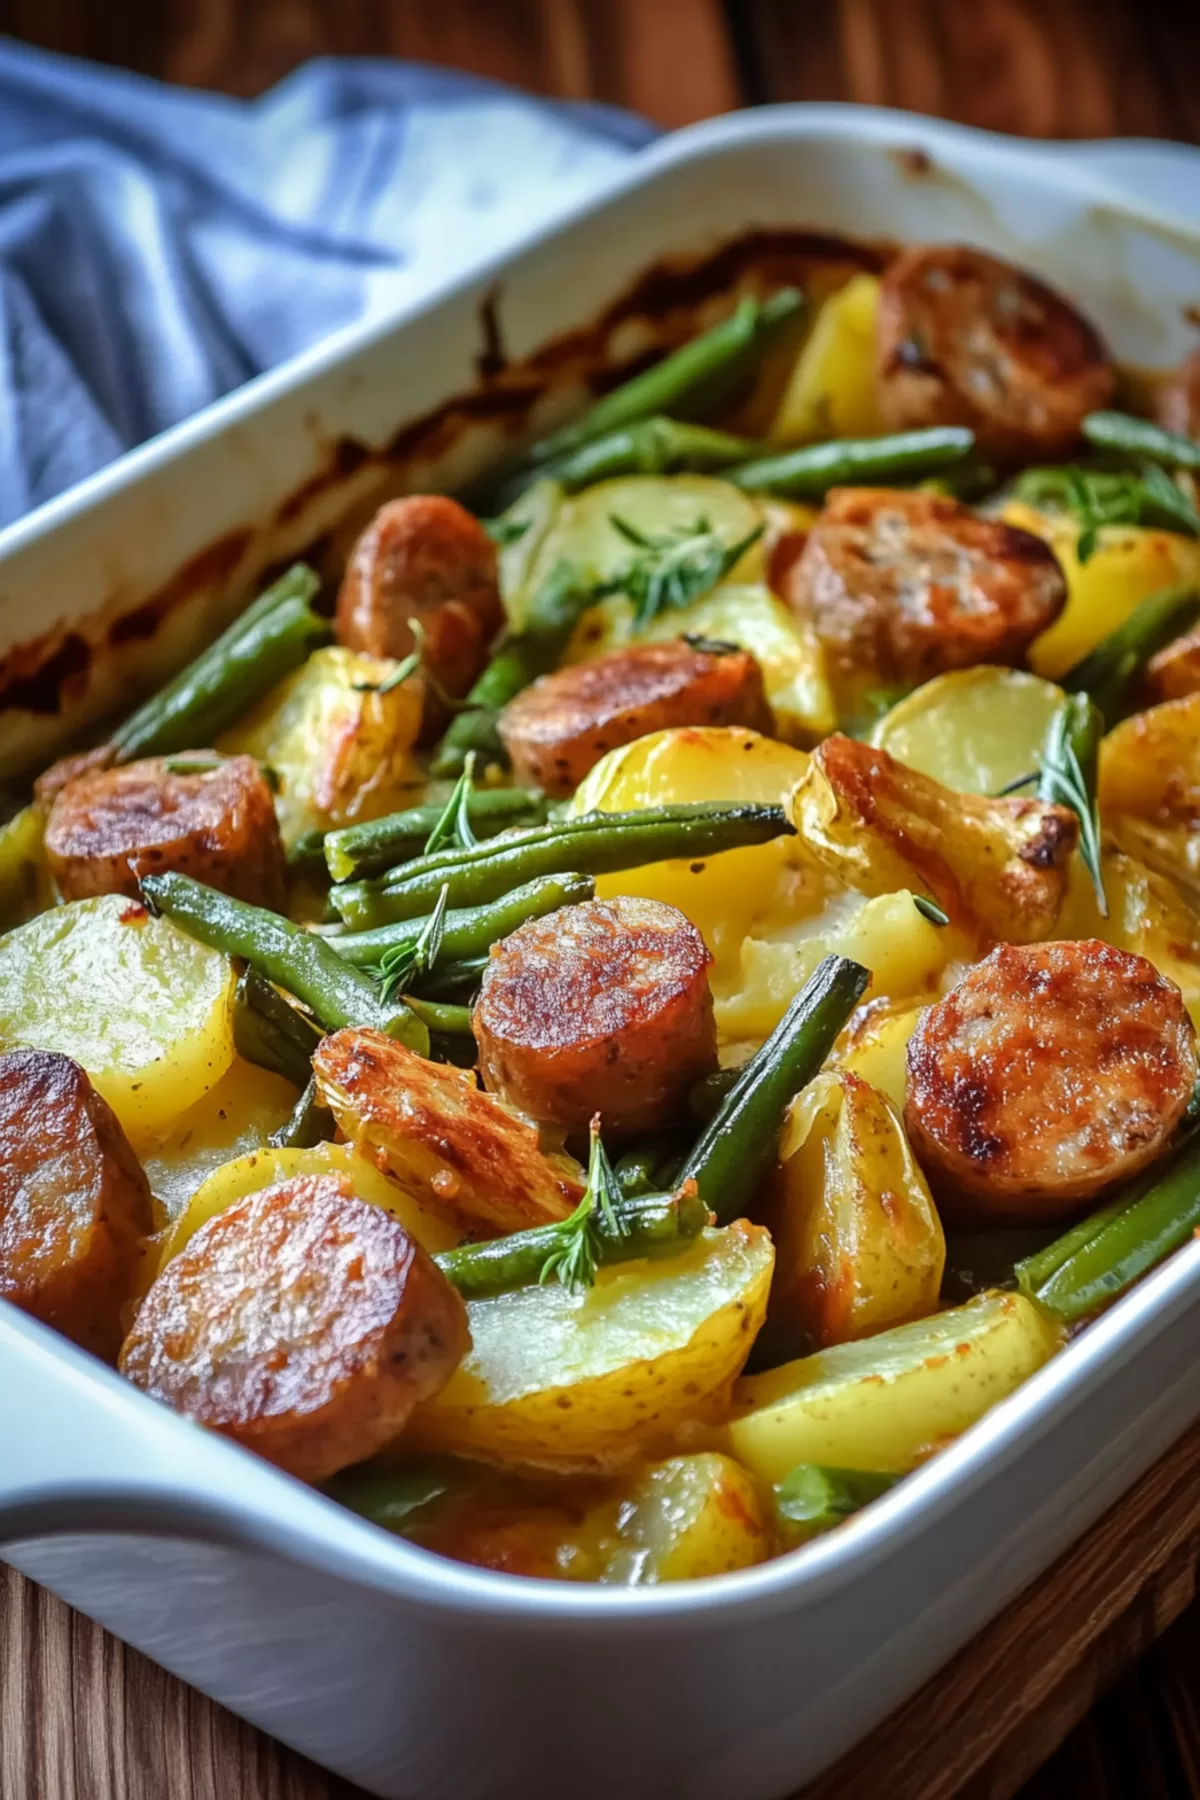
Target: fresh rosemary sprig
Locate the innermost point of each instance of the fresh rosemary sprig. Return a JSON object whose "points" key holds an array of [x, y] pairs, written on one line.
{"points": [[1100, 497], [1068, 778], [406, 667], [504, 531], [453, 829], [929, 909], [398, 967], [672, 568], [574, 1259]]}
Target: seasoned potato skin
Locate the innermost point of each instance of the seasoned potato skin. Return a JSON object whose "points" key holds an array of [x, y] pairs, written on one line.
{"points": [[424, 558], [558, 729], [966, 339], [109, 827], [997, 867], [1178, 403], [1173, 673], [75, 1207], [904, 586], [301, 1322], [455, 1149], [1050, 1073], [601, 1008]]}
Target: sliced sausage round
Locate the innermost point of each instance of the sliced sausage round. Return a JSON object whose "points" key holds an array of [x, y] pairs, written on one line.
{"points": [[301, 1322], [1050, 1073], [902, 586], [423, 558], [1178, 405], [560, 727], [600, 1008], [75, 1207], [1174, 671], [965, 339], [197, 814]]}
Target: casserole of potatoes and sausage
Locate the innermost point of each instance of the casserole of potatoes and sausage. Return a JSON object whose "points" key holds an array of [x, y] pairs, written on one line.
{"points": [[607, 1035]]}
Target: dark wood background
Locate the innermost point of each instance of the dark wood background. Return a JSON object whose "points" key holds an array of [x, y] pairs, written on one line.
{"points": [[81, 1718]]}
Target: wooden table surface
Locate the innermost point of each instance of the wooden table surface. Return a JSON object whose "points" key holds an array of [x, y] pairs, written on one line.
{"points": [[81, 1717]]}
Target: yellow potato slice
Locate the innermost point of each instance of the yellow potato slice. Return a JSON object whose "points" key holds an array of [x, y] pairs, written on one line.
{"points": [[888, 1401], [26, 885], [1130, 564], [1146, 914], [858, 1242], [975, 730], [1150, 788], [341, 754], [579, 1382], [831, 391], [143, 1007], [535, 510], [874, 1045], [658, 505], [259, 1169], [685, 1518], [235, 1117]]}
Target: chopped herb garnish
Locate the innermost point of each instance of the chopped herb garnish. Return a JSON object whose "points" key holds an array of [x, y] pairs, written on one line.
{"points": [[1068, 778], [1100, 497], [399, 967], [453, 829], [929, 909], [574, 1259], [506, 531], [671, 569]]}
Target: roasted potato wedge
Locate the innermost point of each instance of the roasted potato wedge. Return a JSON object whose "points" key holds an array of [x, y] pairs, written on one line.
{"points": [[975, 730], [832, 390], [997, 867], [463, 1154], [858, 1242], [341, 751], [1150, 788], [890, 1401], [686, 1518], [1146, 914], [874, 1045], [579, 1382], [155, 1033]]}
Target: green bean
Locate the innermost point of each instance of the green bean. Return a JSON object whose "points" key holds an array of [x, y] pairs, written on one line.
{"points": [[809, 472], [1109, 672], [812, 1499], [270, 1031], [639, 1170], [298, 961], [657, 446], [268, 641], [978, 1260], [370, 849], [554, 611], [598, 843], [690, 383], [471, 931], [1035, 1269], [1127, 1242], [1129, 436], [441, 1016], [310, 1122], [454, 979], [741, 1141], [708, 1094], [652, 1225]]}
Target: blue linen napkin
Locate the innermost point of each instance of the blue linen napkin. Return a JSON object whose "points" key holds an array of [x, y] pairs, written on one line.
{"points": [[159, 246]]}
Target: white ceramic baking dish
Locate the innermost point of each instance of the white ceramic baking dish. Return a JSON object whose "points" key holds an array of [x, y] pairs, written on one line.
{"points": [[411, 1675]]}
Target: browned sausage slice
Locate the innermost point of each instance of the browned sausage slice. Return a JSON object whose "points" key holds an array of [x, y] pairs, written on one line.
{"points": [[301, 1322], [901, 586], [560, 727], [75, 1208], [965, 339], [1178, 405], [1174, 671], [600, 1008], [1050, 1073], [109, 827], [426, 558]]}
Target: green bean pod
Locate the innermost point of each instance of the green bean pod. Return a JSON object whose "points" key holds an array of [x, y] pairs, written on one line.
{"points": [[357, 851], [812, 1499], [809, 472], [1125, 435], [471, 931], [652, 1225], [298, 961], [310, 1122], [741, 1141], [454, 980], [657, 446], [268, 641], [441, 1016], [598, 843], [269, 1031], [690, 383], [554, 611], [640, 1170], [708, 1094], [1109, 673], [1121, 1243]]}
